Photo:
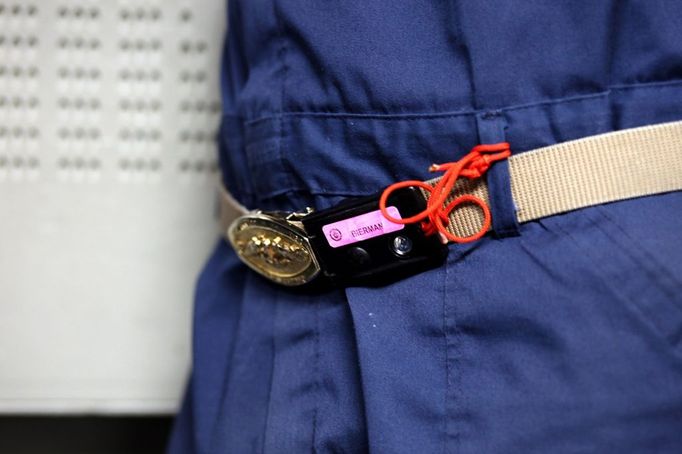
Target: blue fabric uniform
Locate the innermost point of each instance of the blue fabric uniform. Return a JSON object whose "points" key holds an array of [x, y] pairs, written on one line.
{"points": [[562, 336]]}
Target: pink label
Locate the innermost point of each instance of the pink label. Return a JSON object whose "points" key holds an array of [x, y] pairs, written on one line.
{"points": [[360, 228]]}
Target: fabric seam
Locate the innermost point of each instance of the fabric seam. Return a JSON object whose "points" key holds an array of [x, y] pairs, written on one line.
{"points": [[273, 365], [447, 359], [436, 115], [316, 374]]}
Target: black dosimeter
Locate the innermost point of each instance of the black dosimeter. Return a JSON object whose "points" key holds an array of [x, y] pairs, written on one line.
{"points": [[349, 244]]}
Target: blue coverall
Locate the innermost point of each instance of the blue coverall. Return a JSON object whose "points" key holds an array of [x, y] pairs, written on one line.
{"points": [[559, 335]]}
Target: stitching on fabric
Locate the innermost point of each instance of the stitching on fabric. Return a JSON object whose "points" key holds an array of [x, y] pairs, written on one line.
{"points": [[445, 115], [364, 116], [316, 374], [225, 388], [427, 116], [363, 191], [276, 296], [281, 54], [454, 389], [363, 422], [447, 357], [273, 345]]}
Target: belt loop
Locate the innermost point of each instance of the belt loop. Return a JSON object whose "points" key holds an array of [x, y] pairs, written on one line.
{"points": [[491, 129]]}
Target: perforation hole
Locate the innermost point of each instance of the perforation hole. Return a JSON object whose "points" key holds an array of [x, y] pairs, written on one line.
{"points": [[77, 103], [19, 132], [197, 77], [140, 45], [190, 47], [186, 15], [18, 41], [197, 167], [140, 14], [79, 167], [79, 43], [79, 73], [18, 102], [78, 13], [139, 135], [140, 168], [19, 167], [79, 134], [138, 97]]}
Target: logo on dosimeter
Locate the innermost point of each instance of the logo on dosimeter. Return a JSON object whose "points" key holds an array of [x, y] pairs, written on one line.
{"points": [[335, 234]]}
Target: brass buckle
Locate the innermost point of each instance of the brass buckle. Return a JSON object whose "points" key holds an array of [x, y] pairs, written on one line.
{"points": [[275, 245]]}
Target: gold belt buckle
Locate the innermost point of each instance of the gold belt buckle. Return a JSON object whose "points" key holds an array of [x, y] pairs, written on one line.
{"points": [[275, 245]]}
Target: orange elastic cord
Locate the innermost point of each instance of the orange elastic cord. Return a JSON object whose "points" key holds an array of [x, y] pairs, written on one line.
{"points": [[436, 216]]}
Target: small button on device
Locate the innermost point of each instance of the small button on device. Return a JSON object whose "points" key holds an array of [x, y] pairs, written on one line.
{"points": [[401, 245], [359, 256]]}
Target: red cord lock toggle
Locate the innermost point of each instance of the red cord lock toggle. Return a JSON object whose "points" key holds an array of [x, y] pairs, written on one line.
{"points": [[435, 218]]}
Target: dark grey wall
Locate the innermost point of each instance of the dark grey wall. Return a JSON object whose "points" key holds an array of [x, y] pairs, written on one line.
{"points": [[80, 435]]}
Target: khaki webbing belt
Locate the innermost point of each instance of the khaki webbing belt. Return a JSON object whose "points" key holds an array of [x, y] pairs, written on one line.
{"points": [[571, 175]]}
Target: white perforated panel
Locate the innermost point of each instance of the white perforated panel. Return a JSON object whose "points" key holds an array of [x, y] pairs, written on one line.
{"points": [[108, 115]]}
